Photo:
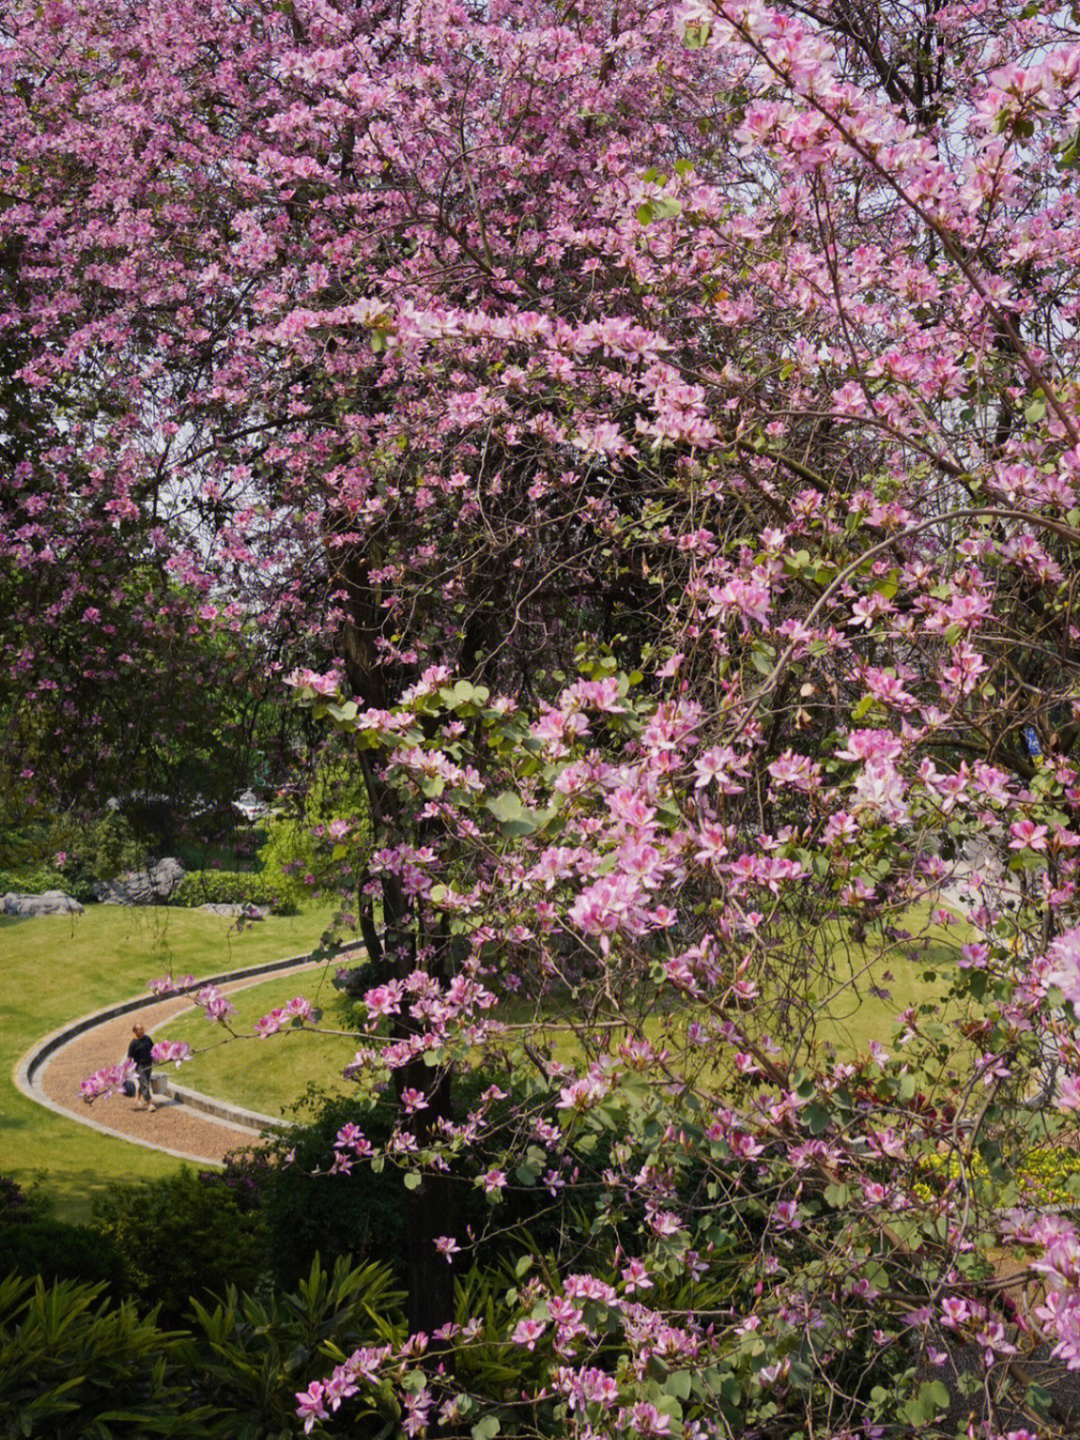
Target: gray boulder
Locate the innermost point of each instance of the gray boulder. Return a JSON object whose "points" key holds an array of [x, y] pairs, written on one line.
{"points": [[249, 912], [155, 884], [53, 902]]}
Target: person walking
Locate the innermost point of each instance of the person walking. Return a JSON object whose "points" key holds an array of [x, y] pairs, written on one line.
{"points": [[141, 1050]]}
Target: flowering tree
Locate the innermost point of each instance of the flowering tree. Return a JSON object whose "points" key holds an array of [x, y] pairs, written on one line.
{"points": [[668, 420]]}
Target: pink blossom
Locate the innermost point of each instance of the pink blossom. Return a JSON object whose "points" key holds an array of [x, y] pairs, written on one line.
{"points": [[1027, 835], [527, 1332]]}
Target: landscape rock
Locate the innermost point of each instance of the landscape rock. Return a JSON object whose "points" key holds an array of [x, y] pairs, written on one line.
{"points": [[155, 884], [249, 912], [52, 902]]}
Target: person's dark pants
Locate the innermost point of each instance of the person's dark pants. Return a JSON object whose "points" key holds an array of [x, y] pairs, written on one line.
{"points": [[142, 1074]]}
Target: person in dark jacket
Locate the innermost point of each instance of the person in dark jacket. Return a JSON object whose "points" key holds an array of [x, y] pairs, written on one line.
{"points": [[141, 1050]]}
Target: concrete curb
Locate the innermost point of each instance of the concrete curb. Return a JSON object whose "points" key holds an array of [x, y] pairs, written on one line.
{"points": [[233, 1115], [219, 1112]]}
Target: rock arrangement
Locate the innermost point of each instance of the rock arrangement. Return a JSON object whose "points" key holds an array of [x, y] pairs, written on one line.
{"points": [[249, 912], [155, 884], [52, 902]]}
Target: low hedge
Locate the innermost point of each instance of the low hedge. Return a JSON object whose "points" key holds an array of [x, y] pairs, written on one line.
{"points": [[1046, 1178], [231, 887], [36, 882], [187, 1235], [57, 1251]]}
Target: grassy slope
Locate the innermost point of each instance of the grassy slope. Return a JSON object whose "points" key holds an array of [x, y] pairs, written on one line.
{"points": [[265, 1075], [268, 1075], [55, 969]]}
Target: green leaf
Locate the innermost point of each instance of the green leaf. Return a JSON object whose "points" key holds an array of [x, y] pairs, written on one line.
{"points": [[506, 806], [816, 1118], [1034, 412], [412, 1180], [934, 1395], [1069, 150], [644, 213], [487, 1428]]}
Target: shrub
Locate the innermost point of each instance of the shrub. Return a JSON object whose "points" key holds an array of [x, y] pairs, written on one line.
{"points": [[75, 1367], [333, 1215], [36, 882], [95, 850], [22, 847], [187, 1235], [56, 1251], [254, 1355], [298, 854], [288, 854], [232, 887], [308, 1211], [19, 1206]]}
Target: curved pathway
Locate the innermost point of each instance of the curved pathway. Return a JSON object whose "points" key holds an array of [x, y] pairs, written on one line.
{"points": [[182, 1124]]}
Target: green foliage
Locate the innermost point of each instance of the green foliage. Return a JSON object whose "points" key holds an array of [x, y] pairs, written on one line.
{"points": [[97, 849], [19, 1206], [1046, 1177], [36, 882], [74, 1367], [287, 855], [296, 845], [92, 849], [309, 1211], [184, 1236], [23, 847], [232, 887], [253, 1356], [305, 1213], [235, 850], [56, 1251]]}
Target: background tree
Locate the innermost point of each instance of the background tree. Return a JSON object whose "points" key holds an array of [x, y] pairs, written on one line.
{"points": [[727, 359]]}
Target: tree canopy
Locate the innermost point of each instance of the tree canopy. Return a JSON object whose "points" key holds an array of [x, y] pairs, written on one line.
{"points": [[655, 430]]}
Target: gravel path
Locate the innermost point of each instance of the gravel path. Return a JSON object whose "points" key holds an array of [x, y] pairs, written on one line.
{"points": [[175, 1128]]}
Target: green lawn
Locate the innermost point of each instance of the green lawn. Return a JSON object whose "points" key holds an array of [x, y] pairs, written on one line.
{"points": [[870, 984], [875, 980], [55, 969], [265, 1075]]}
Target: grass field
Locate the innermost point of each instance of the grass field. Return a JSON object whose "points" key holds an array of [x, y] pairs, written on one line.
{"points": [[871, 984], [56, 968], [265, 1075]]}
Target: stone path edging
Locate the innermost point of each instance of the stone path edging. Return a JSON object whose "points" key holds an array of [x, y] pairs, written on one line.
{"points": [[215, 1109], [29, 1069]]}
